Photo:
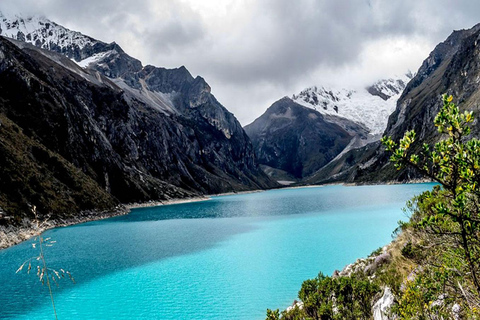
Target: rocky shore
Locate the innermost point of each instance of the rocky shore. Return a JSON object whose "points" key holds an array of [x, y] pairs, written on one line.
{"points": [[11, 235]]}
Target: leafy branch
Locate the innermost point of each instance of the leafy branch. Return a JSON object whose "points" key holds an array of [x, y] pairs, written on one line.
{"points": [[451, 209]]}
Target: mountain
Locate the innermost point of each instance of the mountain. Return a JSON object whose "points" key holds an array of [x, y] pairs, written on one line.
{"points": [[368, 106], [292, 141], [297, 137], [453, 67], [84, 118]]}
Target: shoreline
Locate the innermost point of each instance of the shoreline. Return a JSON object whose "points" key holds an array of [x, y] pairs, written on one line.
{"points": [[13, 235], [158, 203], [355, 184]]}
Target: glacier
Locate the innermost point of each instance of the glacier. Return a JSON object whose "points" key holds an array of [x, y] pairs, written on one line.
{"points": [[370, 106]]}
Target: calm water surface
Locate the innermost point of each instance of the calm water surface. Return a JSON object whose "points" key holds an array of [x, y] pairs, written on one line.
{"points": [[227, 258]]}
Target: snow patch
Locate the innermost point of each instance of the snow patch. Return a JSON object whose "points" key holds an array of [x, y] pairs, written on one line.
{"points": [[94, 58]]}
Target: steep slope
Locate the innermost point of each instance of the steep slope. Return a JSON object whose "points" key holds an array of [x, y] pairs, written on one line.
{"points": [[172, 91], [452, 67], [295, 139], [33, 175], [168, 138]]}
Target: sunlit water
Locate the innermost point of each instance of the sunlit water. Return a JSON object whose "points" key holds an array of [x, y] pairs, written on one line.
{"points": [[231, 257]]}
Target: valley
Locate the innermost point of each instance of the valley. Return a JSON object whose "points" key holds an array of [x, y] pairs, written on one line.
{"points": [[94, 142]]}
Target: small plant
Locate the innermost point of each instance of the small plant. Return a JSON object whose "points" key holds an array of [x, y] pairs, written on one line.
{"points": [[376, 252], [273, 314], [45, 274], [348, 297], [411, 251]]}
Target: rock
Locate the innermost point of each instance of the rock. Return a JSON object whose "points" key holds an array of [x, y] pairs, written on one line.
{"points": [[379, 260], [358, 266], [296, 304], [457, 311], [383, 258], [382, 306]]}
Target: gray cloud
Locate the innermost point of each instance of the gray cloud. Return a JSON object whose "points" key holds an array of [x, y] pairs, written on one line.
{"points": [[252, 52]]}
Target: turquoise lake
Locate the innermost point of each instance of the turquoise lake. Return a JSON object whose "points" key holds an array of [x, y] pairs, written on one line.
{"points": [[231, 257]]}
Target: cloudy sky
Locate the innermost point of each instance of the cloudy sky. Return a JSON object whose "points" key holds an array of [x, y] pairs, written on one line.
{"points": [[253, 52]]}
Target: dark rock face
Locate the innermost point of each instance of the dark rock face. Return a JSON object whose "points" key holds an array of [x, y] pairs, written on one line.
{"points": [[385, 89], [127, 149], [453, 67], [296, 139], [450, 68]]}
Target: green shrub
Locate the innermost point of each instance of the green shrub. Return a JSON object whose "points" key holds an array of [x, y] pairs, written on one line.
{"points": [[445, 219]]}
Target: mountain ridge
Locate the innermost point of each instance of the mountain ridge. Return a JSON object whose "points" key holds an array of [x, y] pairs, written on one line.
{"points": [[145, 134], [355, 116]]}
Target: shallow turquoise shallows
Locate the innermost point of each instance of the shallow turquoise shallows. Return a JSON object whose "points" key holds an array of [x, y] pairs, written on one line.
{"points": [[231, 257]]}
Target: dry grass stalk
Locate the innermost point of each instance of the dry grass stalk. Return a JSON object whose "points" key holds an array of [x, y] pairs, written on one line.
{"points": [[44, 273]]}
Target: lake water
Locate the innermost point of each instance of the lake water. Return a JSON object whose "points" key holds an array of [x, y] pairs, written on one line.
{"points": [[231, 257]]}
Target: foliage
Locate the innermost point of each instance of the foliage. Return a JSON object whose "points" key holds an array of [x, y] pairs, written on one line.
{"points": [[334, 298], [376, 252], [445, 221], [420, 298], [389, 276], [412, 251], [273, 314]]}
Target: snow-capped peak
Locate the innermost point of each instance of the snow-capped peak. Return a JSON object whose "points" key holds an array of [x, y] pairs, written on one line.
{"points": [[43, 33], [387, 88], [369, 106]]}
